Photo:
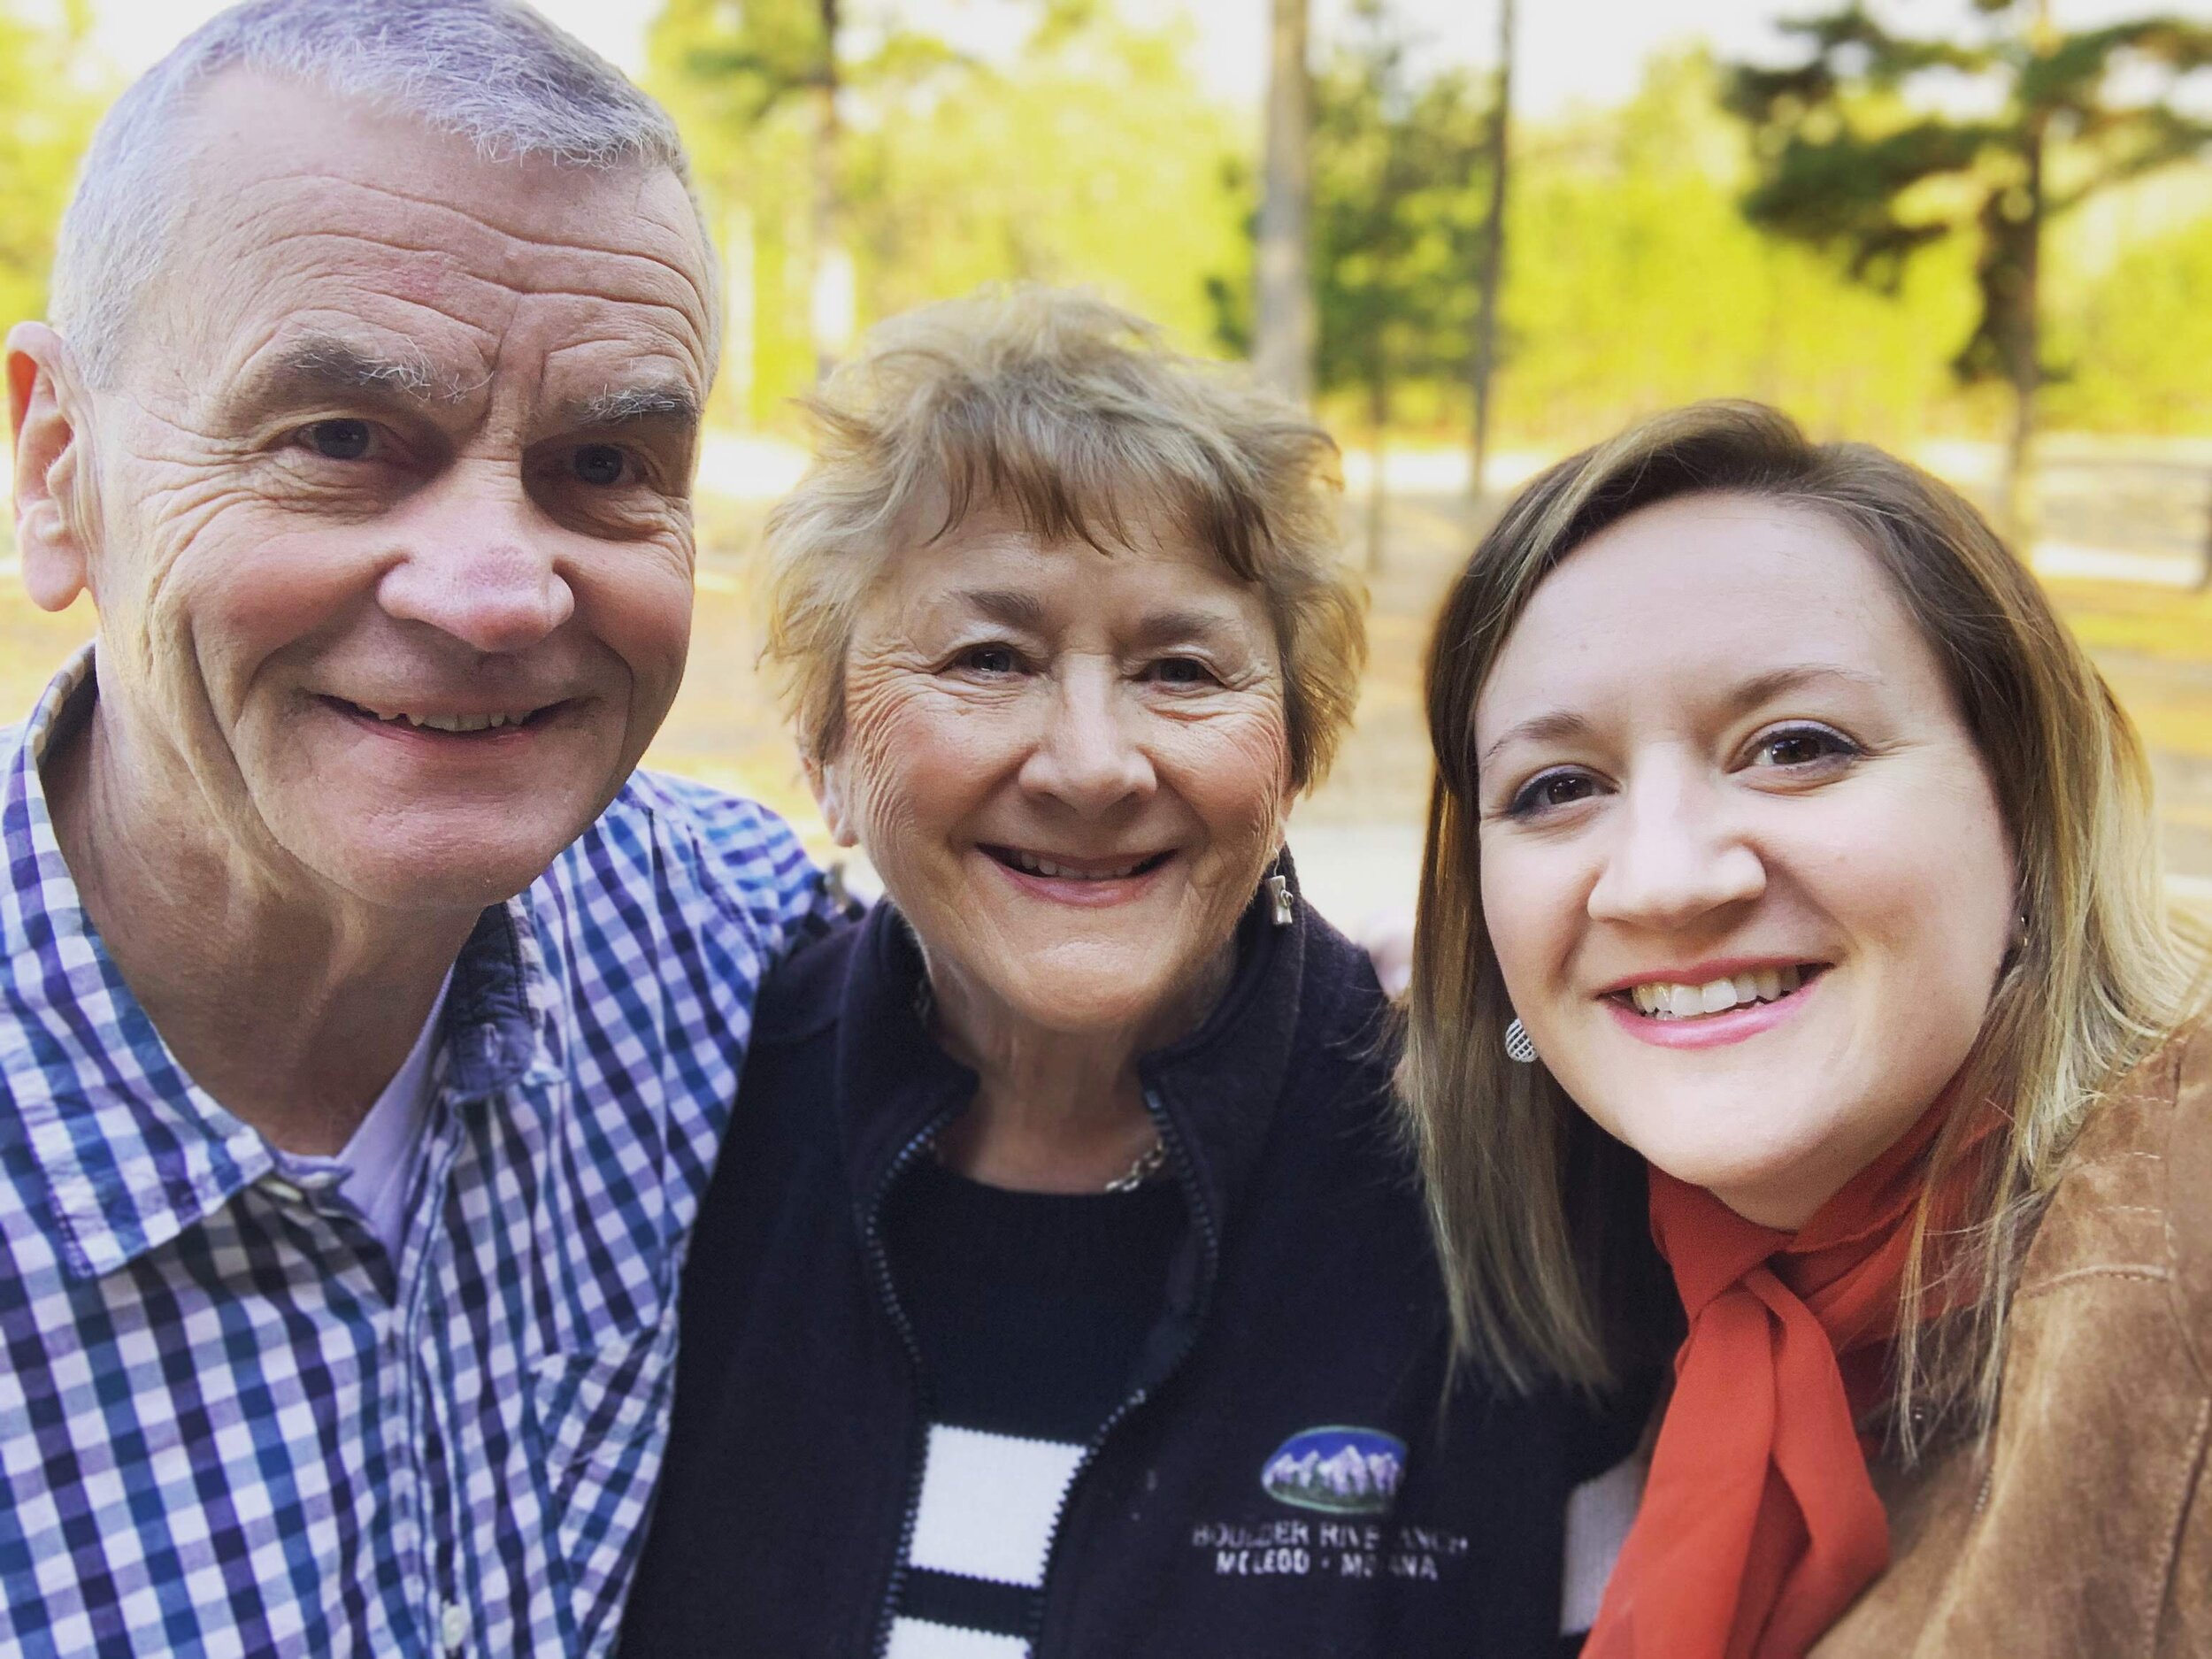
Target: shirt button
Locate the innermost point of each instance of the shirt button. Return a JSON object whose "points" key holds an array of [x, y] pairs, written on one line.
{"points": [[281, 1190], [453, 1626]]}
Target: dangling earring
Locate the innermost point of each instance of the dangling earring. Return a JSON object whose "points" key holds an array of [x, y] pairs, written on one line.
{"points": [[1279, 891], [1518, 1047]]}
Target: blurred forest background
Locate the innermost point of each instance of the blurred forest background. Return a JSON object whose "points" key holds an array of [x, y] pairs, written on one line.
{"points": [[1978, 232]]}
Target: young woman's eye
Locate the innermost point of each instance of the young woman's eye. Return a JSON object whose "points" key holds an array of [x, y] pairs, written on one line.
{"points": [[1797, 747], [1549, 790], [1181, 671], [989, 659], [338, 440]]}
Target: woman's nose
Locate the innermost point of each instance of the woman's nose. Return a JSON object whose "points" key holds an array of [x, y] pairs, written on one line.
{"points": [[1676, 859], [1085, 755]]}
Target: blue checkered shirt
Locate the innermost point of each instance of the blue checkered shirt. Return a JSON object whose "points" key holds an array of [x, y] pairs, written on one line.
{"points": [[229, 1422]]}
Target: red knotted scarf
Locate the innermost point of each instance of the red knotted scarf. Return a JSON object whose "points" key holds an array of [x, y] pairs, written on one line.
{"points": [[1759, 1524]]}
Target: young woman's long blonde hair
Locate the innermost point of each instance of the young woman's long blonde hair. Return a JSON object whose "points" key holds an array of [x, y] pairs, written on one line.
{"points": [[1540, 1215]]}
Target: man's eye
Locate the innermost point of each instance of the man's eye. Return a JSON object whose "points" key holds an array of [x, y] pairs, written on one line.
{"points": [[1551, 789], [338, 440], [1796, 746], [600, 464]]}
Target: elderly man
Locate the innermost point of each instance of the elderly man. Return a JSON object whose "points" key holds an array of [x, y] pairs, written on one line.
{"points": [[369, 1028]]}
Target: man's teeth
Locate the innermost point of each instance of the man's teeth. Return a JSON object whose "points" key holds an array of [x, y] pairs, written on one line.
{"points": [[1037, 867], [455, 722], [1662, 1001]]}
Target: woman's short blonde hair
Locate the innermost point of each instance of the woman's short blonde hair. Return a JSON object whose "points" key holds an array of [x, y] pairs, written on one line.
{"points": [[1071, 414], [1540, 1215]]}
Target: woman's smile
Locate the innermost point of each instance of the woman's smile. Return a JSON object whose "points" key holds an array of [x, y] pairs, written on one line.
{"points": [[1713, 1005], [1066, 879]]}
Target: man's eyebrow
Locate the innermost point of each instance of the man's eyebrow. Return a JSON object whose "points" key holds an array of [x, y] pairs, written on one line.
{"points": [[1558, 724], [669, 400], [325, 366]]}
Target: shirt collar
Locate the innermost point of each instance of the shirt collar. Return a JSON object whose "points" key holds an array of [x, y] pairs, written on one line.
{"points": [[131, 1150]]}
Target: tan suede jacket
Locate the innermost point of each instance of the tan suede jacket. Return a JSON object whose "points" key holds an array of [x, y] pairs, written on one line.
{"points": [[2082, 1528]]}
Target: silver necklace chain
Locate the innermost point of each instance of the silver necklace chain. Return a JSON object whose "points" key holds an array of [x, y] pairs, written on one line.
{"points": [[1149, 1162]]}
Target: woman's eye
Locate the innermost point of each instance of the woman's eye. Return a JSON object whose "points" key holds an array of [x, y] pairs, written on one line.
{"points": [[1181, 671], [338, 440], [1552, 790], [1796, 746], [990, 659], [601, 465]]}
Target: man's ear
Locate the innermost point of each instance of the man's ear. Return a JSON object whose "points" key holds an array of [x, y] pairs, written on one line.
{"points": [[45, 411], [826, 779]]}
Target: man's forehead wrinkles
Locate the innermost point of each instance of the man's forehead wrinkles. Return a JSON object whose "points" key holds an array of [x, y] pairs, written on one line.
{"points": [[672, 261], [503, 287], [452, 265]]}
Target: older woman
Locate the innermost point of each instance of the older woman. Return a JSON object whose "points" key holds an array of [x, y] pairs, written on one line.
{"points": [[1790, 889], [1063, 1289]]}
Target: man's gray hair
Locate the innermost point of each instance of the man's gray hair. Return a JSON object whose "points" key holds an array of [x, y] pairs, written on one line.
{"points": [[490, 70]]}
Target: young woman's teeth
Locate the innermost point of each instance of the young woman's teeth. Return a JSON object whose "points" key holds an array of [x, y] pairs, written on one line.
{"points": [[1661, 1001], [1037, 867]]}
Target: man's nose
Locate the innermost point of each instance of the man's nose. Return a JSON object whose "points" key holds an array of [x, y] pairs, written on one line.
{"points": [[477, 566], [1676, 857], [1087, 756]]}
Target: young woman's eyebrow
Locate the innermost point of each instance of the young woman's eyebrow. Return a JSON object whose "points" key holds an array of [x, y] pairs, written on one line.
{"points": [[1555, 726], [1777, 681], [1558, 724]]}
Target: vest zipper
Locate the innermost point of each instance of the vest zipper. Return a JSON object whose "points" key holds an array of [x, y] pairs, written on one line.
{"points": [[918, 1443], [1209, 1250]]}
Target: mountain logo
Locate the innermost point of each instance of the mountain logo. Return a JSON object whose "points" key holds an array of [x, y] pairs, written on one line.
{"points": [[1337, 1469]]}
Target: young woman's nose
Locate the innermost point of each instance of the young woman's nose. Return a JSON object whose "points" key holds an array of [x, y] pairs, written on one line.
{"points": [[1086, 753], [1675, 858]]}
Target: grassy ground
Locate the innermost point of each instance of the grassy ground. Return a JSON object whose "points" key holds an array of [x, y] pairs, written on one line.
{"points": [[2154, 645]]}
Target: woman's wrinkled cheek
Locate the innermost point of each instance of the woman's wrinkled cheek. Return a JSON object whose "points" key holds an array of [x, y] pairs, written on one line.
{"points": [[904, 750]]}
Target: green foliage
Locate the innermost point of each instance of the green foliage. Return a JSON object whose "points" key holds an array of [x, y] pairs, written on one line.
{"points": [[1092, 158], [46, 118], [1851, 162], [2137, 343], [1399, 196], [1635, 283]]}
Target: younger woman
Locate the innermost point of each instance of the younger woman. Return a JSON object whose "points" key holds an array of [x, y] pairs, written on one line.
{"points": [[1791, 901]]}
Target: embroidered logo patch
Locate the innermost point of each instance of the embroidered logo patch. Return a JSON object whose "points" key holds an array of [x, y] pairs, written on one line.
{"points": [[1337, 1469]]}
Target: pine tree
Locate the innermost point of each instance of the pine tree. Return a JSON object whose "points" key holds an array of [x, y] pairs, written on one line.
{"points": [[1851, 156]]}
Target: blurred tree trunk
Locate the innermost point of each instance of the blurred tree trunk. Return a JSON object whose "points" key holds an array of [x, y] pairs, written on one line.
{"points": [[1378, 442], [2204, 571], [2013, 238], [830, 299], [1283, 340], [1493, 274]]}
